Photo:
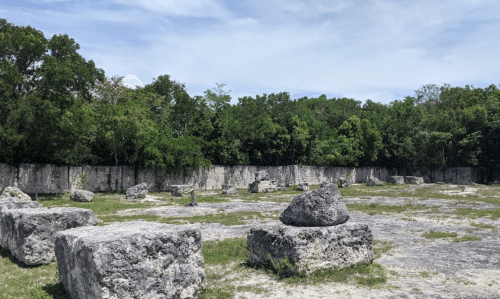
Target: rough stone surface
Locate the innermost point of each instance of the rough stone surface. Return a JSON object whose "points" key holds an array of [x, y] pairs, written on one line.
{"points": [[137, 191], [131, 260], [30, 234], [326, 184], [344, 183], [82, 195], [396, 180], [15, 192], [228, 189], [262, 175], [303, 186], [8, 203], [311, 248], [262, 186], [8, 199], [413, 180], [321, 207], [373, 181], [179, 190]]}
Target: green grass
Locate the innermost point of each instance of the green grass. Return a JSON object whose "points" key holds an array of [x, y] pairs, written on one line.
{"points": [[437, 235], [466, 239], [373, 208], [483, 226], [380, 247], [476, 213]]}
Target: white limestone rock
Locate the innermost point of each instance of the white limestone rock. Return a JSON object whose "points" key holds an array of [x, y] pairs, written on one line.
{"points": [[228, 189], [373, 181], [344, 183], [82, 195], [414, 180], [262, 176], [135, 259], [179, 190], [262, 186], [396, 180], [15, 192], [29, 234], [303, 186], [137, 191]]}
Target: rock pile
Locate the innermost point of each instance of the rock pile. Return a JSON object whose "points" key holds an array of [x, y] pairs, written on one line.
{"points": [[262, 183], [313, 235]]}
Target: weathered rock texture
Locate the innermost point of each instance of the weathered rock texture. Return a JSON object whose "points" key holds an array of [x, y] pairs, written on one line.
{"points": [[413, 180], [131, 260], [262, 176], [82, 195], [373, 181], [303, 186], [344, 183], [137, 191], [321, 207], [228, 189], [179, 190], [396, 180], [29, 234], [15, 192], [64, 179], [8, 203], [262, 186], [326, 184], [311, 248]]}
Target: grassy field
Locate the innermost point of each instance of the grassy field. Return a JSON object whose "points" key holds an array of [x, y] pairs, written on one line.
{"points": [[225, 261]]}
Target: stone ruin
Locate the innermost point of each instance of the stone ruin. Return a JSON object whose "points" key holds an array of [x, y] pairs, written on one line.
{"points": [[228, 189], [396, 180], [313, 235], [413, 180], [262, 183], [373, 181], [137, 191]]}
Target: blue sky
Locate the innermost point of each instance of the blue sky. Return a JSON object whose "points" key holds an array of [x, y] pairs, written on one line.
{"points": [[378, 50]]}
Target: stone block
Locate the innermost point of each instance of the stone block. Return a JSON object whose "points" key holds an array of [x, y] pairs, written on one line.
{"points": [[310, 248], [44, 178], [128, 178], [321, 207], [179, 190], [30, 234], [450, 175], [136, 259], [82, 195], [262, 186], [228, 189], [76, 179], [396, 180], [464, 176], [262, 175], [373, 181], [344, 183], [137, 191], [327, 184], [9, 203], [303, 186], [97, 178], [148, 177], [15, 192], [413, 180]]}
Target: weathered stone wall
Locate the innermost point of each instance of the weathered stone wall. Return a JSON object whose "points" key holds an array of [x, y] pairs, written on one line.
{"points": [[62, 179]]}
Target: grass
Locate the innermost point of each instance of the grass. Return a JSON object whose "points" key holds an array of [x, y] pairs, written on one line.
{"points": [[466, 239], [373, 208], [483, 226], [438, 235], [380, 247]]}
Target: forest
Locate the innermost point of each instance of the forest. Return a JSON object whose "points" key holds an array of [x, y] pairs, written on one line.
{"points": [[56, 107]]}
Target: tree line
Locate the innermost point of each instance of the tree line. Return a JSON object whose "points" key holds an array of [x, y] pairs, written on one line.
{"points": [[56, 107]]}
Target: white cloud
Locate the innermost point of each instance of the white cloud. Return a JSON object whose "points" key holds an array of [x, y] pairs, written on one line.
{"points": [[132, 81]]}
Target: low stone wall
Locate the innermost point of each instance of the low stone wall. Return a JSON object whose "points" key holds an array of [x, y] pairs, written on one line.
{"points": [[62, 179]]}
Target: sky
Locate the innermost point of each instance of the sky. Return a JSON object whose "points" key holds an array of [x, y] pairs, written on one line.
{"points": [[382, 50]]}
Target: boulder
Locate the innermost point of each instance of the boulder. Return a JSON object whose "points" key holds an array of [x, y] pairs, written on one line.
{"points": [[228, 189], [135, 259], [262, 186], [413, 180], [137, 191], [326, 184], [262, 175], [321, 207], [396, 180], [82, 195], [310, 248], [303, 186], [373, 181], [30, 234], [8, 199], [8, 203], [179, 190], [344, 183], [15, 192]]}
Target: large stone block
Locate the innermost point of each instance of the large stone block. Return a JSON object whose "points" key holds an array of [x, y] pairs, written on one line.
{"points": [[303, 186], [131, 260], [82, 195], [310, 248], [179, 190], [450, 175], [97, 178], [373, 181], [413, 180], [43, 178], [228, 189], [321, 207], [262, 186], [8, 176], [128, 178], [464, 176], [262, 175], [396, 180], [344, 182], [115, 178], [9, 203], [137, 191], [30, 234]]}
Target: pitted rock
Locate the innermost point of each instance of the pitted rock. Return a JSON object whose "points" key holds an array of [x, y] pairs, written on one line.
{"points": [[344, 183], [137, 191], [373, 181], [413, 180], [396, 180], [303, 186], [228, 189], [262, 175], [15, 192], [321, 207], [82, 195]]}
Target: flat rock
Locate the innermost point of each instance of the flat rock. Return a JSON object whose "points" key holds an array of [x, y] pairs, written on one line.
{"points": [[310, 248], [29, 234], [373, 181], [82, 195], [396, 180], [414, 180], [135, 259], [137, 191], [321, 207], [15, 192]]}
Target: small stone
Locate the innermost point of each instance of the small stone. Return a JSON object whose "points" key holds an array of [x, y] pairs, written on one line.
{"points": [[82, 196], [15, 192], [413, 180], [373, 181], [228, 189], [321, 207], [303, 186], [344, 183], [138, 191], [396, 180]]}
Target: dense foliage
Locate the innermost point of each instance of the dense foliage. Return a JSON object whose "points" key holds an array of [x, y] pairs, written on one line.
{"points": [[56, 107]]}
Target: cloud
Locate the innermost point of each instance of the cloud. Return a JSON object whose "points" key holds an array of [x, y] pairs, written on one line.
{"points": [[132, 81]]}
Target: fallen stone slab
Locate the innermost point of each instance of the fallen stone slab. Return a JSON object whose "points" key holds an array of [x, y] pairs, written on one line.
{"points": [[396, 180], [135, 259], [228, 189], [373, 181], [8, 204], [344, 183], [15, 192], [29, 234], [137, 191], [310, 248], [414, 180], [321, 207], [303, 186], [82, 195], [262, 186]]}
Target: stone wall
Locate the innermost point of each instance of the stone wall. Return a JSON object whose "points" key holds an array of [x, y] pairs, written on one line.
{"points": [[62, 179]]}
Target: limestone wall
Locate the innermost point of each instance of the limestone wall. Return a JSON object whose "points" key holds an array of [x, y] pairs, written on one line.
{"points": [[62, 179]]}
